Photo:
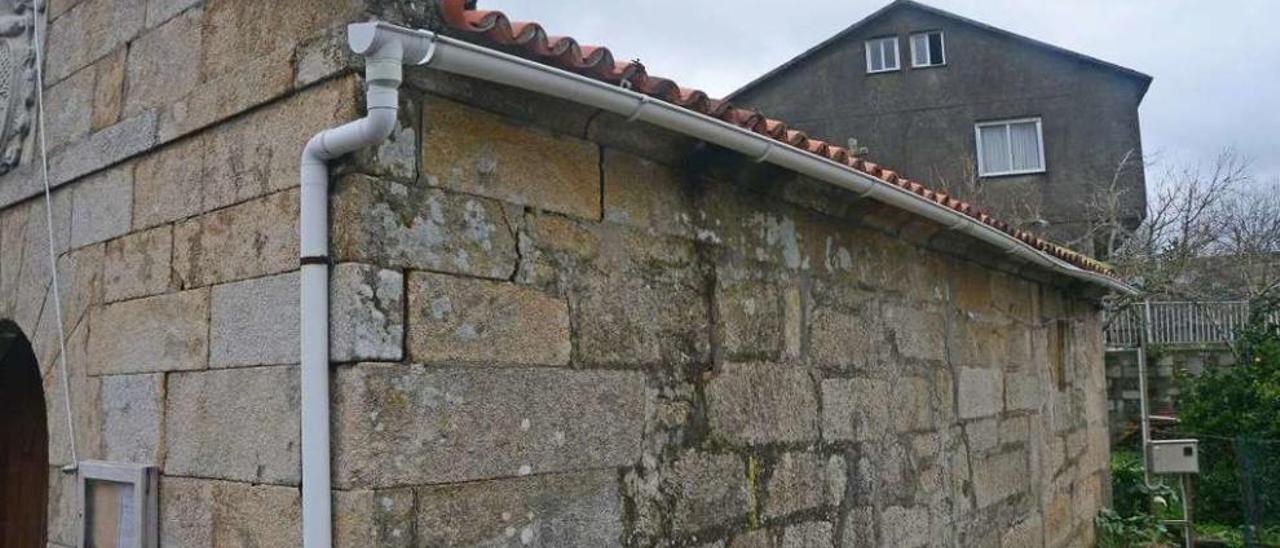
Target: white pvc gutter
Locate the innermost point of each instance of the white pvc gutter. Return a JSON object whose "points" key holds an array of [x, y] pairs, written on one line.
{"points": [[474, 61], [386, 47]]}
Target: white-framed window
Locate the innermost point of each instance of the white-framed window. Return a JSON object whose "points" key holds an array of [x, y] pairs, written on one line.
{"points": [[927, 49], [1010, 147], [882, 54]]}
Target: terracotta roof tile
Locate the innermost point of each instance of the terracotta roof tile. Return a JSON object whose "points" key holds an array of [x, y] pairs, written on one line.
{"points": [[531, 41]]}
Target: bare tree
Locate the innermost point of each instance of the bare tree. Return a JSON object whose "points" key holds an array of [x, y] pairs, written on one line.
{"points": [[1246, 254], [1211, 232]]}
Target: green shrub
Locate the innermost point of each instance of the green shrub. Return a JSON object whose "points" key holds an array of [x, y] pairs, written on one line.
{"points": [[1235, 412], [1141, 530], [1134, 519]]}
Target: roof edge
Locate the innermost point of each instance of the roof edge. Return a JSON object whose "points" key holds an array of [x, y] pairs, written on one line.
{"points": [[1143, 78]]}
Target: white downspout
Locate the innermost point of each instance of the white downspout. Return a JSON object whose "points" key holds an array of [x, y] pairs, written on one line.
{"points": [[385, 49]]}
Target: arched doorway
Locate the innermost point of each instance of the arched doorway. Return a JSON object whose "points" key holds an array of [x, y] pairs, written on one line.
{"points": [[24, 444]]}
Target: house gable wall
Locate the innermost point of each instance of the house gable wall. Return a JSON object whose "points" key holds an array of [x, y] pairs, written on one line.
{"points": [[920, 121]]}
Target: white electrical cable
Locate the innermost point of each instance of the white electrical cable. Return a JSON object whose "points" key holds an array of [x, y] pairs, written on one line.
{"points": [[53, 254]]}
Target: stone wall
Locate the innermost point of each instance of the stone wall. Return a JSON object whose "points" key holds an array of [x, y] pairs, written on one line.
{"points": [[1166, 363], [550, 327], [569, 331], [174, 130]]}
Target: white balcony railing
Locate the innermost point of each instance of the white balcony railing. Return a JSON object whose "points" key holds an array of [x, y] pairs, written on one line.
{"points": [[1179, 322]]}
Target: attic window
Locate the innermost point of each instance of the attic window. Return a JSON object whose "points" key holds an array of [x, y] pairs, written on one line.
{"points": [[927, 49], [882, 54]]}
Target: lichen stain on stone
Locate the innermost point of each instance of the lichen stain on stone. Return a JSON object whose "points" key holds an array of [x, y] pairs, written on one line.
{"points": [[780, 234], [838, 258], [441, 307]]}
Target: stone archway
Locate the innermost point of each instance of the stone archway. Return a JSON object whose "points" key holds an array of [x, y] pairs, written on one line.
{"points": [[24, 443]]}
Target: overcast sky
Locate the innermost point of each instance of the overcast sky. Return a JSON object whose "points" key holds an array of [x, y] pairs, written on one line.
{"points": [[1216, 63]]}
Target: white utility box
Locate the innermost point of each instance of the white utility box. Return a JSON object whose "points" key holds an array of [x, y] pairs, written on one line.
{"points": [[1174, 456]]}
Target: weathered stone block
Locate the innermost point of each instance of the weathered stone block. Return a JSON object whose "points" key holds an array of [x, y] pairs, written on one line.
{"points": [[462, 320], [235, 424], [89, 31], [101, 207], [366, 313], [167, 184], [798, 483], [393, 224], [919, 334], [1017, 430], [553, 510], [999, 476], [227, 94], [160, 66], [159, 11], [103, 148], [244, 241], [751, 320], [322, 56], [646, 195], [983, 434], [837, 479], [72, 119], [756, 538], [859, 527], [132, 415], [905, 527], [239, 31], [373, 519], [808, 534], [81, 275], [401, 425], [1028, 531], [137, 265], [627, 320], [161, 333], [255, 322], [477, 152], [839, 339], [978, 392], [86, 409], [855, 409], [201, 513], [913, 407], [708, 490], [258, 154], [762, 403], [108, 89], [1022, 391]]}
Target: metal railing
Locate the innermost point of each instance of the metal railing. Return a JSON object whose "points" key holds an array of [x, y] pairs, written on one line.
{"points": [[1179, 322]]}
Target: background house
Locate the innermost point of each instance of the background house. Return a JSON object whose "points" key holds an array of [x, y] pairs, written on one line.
{"points": [[1033, 131]]}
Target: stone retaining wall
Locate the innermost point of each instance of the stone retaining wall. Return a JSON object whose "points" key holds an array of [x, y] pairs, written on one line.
{"points": [[1165, 364]]}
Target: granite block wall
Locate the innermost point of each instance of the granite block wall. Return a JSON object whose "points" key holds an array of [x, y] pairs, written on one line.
{"points": [[550, 327]]}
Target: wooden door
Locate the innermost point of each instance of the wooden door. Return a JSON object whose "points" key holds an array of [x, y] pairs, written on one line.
{"points": [[24, 445]]}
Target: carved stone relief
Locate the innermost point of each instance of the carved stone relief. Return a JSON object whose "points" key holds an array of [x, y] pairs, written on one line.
{"points": [[17, 78]]}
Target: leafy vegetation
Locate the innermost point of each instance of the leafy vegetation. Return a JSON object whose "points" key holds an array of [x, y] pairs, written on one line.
{"points": [[1134, 519], [1236, 413]]}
